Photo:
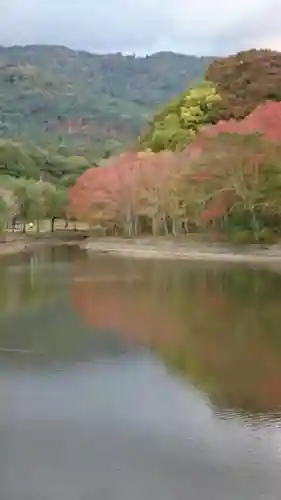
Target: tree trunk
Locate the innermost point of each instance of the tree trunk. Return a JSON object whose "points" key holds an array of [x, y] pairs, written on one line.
{"points": [[129, 226], [165, 225], [129, 223], [53, 224], [174, 227], [185, 226], [154, 226], [38, 226], [136, 226], [24, 227], [255, 225]]}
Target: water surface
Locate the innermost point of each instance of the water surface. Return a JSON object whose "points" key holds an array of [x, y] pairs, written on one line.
{"points": [[129, 380]]}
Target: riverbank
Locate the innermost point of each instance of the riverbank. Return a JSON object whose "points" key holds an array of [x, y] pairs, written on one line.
{"points": [[18, 242], [184, 249], [147, 248]]}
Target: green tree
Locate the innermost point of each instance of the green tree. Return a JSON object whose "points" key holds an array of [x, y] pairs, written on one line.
{"points": [[3, 213], [15, 160], [55, 200], [179, 121], [30, 201], [8, 202]]}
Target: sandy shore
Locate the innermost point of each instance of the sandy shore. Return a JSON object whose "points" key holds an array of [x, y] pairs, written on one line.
{"points": [[156, 248], [185, 250]]}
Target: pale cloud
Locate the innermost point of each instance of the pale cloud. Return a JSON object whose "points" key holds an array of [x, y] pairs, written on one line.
{"points": [[143, 26]]}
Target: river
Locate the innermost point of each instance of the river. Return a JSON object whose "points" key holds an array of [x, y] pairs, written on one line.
{"points": [[124, 379]]}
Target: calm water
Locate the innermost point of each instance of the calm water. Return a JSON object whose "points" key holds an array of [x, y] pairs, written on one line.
{"points": [[138, 380]]}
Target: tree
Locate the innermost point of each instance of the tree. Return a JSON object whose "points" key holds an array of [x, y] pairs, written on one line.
{"points": [[179, 121], [30, 202], [8, 207], [3, 213], [15, 161], [239, 177], [244, 81], [55, 201]]}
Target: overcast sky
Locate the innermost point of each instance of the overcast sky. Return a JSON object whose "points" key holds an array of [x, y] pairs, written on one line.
{"points": [[201, 27]]}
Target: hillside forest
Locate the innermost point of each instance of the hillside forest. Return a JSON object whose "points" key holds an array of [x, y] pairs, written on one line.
{"points": [[208, 162], [62, 111]]}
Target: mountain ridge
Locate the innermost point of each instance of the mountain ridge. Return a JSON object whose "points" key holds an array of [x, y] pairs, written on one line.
{"points": [[53, 93]]}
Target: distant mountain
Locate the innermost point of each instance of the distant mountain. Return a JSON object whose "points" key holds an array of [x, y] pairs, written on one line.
{"points": [[51, 94]]}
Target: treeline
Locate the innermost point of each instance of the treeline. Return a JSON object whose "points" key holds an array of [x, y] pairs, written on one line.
{"points": [[34, 182], [210, 161], [229, 184], [27, 200], [55, 164]]}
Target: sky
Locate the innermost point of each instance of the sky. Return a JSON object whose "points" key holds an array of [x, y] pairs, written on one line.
{"points": [[200, 27]]}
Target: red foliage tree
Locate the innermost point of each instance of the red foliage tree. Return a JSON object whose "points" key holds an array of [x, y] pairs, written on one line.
{"points": [[265, 120], [125, 188], [238, 172], [98, 190]]}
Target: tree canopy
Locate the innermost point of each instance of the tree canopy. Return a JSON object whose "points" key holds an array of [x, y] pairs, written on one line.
{"points": [[233, 88], [181, 119], [244, 81]]}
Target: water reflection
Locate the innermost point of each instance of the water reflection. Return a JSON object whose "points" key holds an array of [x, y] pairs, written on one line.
{"points": [[28, 280], [107, 371], [38, 329], [219, 327]]}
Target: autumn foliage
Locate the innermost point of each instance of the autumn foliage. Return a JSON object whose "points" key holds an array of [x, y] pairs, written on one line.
{"points": [[228, 176], [233, 88], [264, 120], [126, 189], [244, 81], [160, 307]]}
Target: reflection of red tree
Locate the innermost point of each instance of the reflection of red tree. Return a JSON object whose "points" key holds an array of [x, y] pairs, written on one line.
{"points": [[235, 354], [124, 304], [220, 345]]}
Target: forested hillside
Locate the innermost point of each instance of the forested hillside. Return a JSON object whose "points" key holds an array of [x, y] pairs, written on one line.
{"points": [[61, 111], [92, 103], [210, 161]]}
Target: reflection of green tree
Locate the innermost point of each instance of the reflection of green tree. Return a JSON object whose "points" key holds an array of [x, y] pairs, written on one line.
{"points": [[36, 324], [53, 335], [29, 281], [28, 286]]}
